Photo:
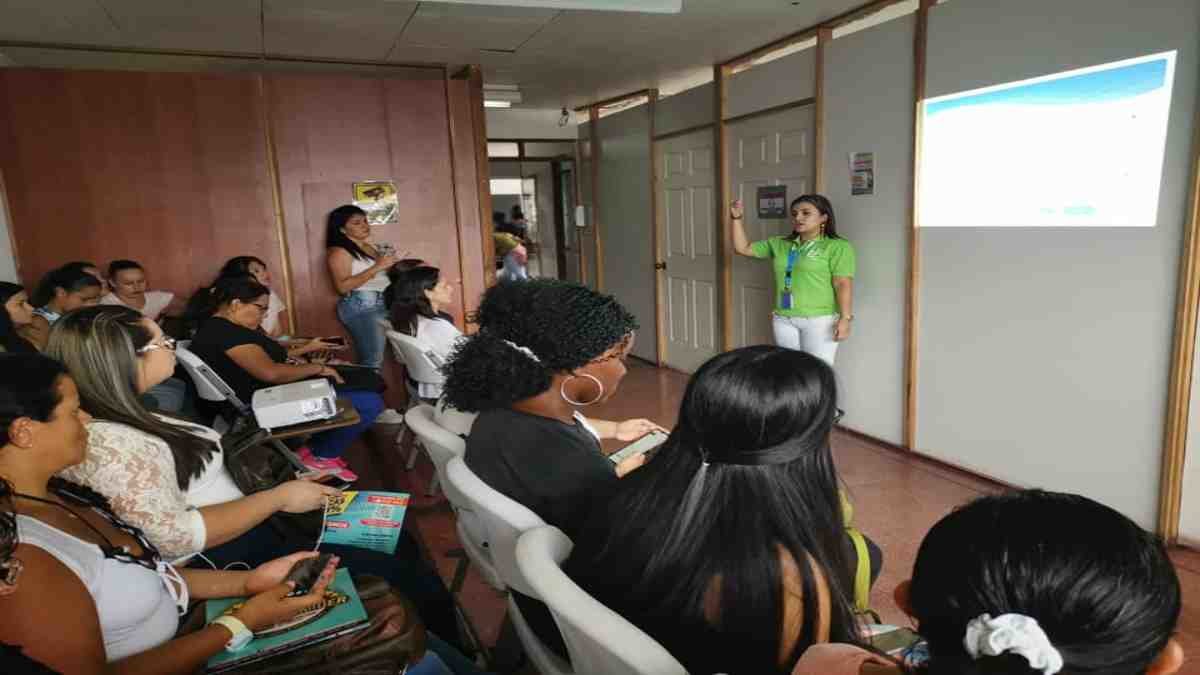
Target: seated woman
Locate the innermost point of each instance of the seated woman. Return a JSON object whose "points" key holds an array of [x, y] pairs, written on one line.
{"points": [[90, 268], [128, 281], [230, 342], [60, 291], [16, 315], [729, 546], [162, 474], [168, 477], [73, 557], [544, 348], [249, 266], [1032, 582], [419, 297]]}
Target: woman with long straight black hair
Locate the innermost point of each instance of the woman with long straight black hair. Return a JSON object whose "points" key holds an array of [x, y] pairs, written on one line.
{"points": [[728, 547], [814, 276]]}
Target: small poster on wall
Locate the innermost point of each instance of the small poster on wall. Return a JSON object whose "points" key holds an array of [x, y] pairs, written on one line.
{"points": [[862, 173], [378, 198], [772, 201]]}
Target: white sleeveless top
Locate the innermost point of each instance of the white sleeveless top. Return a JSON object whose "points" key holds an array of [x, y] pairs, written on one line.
{"points": [[136, 611], [377, 284]]}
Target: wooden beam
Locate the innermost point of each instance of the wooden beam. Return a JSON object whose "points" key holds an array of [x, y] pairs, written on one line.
{"points": [[660, 324], [285, 256], [237, 56], [1179, 394], [913, 286], [615, 99], [809, 33], [594, 130], [474, 76], [824, 37], [578, 187], [721, 156]]}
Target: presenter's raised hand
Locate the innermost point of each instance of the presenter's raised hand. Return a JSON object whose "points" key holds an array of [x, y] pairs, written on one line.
{"points": [[736, 212]]}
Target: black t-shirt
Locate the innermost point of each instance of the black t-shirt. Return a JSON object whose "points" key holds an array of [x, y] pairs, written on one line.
{"points": [[216, 336], [546, 465]]}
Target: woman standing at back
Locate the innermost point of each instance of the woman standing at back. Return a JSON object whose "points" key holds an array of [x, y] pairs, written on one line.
{"points": [[358, 269]]}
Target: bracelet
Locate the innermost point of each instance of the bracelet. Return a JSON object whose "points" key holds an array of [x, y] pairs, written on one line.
{"points": [[845, 317]]}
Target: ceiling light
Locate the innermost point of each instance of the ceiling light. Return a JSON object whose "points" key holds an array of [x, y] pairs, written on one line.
{"points": [[488, 103], [647, 6], [507, 94]]}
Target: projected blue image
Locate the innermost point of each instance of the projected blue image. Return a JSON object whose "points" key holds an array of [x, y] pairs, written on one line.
{"points": [[1078, 148]]}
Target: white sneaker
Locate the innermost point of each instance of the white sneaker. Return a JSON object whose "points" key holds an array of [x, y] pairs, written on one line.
{"points": [[390, 416]]}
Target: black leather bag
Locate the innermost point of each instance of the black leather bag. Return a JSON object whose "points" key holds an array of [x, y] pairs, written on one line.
{"points": [[257, 466]]}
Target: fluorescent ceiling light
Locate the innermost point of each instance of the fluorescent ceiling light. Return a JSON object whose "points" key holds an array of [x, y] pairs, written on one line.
{"points": [[646, 6], [488, 103], [502, 95]]}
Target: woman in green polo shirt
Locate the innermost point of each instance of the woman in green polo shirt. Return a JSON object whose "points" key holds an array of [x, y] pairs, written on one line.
{"points": [[814, 277]]}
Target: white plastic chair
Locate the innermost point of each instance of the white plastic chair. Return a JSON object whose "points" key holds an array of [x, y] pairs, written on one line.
{"points": [[599, 640], [210, 387], [498, 521], [420, 367], [441, 445]]}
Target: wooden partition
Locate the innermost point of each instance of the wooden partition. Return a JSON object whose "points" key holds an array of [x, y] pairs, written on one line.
{"points": [[177, 170], [167, 169]]}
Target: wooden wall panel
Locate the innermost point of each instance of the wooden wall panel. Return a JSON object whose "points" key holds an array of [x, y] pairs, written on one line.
{"points": [[169, 169], [341, 129], [466, 194]]}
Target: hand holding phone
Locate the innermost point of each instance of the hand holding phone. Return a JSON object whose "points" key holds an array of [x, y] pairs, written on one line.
{"points": [[306, 572], [641, 446]]}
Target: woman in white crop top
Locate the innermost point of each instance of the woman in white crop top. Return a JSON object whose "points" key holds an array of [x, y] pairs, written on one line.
{"points": [[358, 270], [164, 475], [419, 298], [81, 591]]}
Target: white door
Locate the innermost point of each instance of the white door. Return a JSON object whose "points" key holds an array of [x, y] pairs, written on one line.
{"points": [[688, 241], [773, 149]]}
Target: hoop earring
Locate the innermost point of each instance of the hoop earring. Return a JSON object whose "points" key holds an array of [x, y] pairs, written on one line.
{"points": [[562, 391]]}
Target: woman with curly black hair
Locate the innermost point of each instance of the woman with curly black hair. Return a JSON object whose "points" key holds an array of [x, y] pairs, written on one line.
{"points": [[544, 349]]}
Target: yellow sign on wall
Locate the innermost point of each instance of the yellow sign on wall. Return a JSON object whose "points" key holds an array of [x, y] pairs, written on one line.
{"points": [[378, 198]]}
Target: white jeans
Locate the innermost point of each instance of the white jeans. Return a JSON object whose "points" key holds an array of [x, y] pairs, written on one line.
{"points": [[812, 334]]}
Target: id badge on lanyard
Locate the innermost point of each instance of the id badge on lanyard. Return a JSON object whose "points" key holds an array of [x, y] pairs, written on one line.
{"points": [[785, 295]]}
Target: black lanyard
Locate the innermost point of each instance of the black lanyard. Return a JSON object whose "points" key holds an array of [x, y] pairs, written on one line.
{"points": [[150, 556]]}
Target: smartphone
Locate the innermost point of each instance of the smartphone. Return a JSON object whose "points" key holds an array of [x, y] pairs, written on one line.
{"points": [[894, 642], [306, 572], [641, 446]]}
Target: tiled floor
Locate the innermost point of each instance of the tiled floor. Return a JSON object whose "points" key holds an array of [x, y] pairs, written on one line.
{"points": [[896, 500]]}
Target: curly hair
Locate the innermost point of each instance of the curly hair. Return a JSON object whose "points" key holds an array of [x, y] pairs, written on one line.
{"points": [[564, 326]]}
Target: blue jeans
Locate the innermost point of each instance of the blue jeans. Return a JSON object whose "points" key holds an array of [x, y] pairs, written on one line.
{"points": [[334, 442], [360, 312]]}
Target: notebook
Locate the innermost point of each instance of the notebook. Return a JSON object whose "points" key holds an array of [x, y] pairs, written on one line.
{"points": [[342, 613]]}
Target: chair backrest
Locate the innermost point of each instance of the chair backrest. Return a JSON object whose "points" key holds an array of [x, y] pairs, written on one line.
{"points": [[416, 358], [502, 519], [209, 385], [598, 639], [441, 444]]}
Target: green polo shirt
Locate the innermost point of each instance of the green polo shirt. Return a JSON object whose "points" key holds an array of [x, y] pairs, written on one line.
{"points": [[812, 277]]}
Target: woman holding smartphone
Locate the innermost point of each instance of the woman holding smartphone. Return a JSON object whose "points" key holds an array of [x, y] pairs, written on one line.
{"points": [[814, 277], [358, 268]]}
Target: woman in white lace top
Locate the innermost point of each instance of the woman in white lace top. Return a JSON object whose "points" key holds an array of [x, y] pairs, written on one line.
{"points": [[162, 474]]}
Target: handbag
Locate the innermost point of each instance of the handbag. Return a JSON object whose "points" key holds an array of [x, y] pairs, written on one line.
{"points": [[255, 466], [360, 379], [393, 638]]}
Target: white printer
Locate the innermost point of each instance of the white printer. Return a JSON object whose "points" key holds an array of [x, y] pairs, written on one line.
{"points": [[294, 403]]}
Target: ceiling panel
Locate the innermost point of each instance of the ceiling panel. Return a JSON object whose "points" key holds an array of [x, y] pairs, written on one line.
{"points": [[345, 29], [214, 25], [475, 26], [71, 21]]}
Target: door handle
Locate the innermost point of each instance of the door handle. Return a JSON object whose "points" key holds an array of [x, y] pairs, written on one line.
{"points": [[660, 266]]}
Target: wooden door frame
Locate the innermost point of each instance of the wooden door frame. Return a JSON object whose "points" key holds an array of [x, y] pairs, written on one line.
{"points": [[560, 250]]}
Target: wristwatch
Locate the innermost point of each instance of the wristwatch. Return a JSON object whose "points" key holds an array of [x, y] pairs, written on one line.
{"points": [[241, 635]]}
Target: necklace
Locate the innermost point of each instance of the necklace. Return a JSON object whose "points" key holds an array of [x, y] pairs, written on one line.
{"points": [[149, 558]]}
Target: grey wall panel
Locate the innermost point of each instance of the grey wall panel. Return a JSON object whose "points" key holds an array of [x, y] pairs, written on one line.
{"points": [[1045, 353]]}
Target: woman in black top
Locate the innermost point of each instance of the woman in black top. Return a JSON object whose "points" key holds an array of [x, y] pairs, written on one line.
{"points": [[544, 349], [230, 342]]}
